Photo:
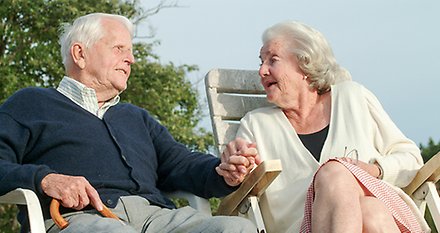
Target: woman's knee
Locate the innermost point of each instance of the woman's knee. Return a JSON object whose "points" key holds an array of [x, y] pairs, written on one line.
{"points": [[331, 175]]}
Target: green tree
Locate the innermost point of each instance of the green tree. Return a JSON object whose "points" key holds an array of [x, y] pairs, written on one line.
{"points": [[30, 56], [165, 91], [430, 149]]}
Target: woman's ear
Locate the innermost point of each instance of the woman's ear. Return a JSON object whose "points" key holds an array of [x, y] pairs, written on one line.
{"points": [[77, 51]]}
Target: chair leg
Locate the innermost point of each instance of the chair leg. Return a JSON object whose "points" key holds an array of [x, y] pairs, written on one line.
{"points": [[433, 202], [250, 209]]}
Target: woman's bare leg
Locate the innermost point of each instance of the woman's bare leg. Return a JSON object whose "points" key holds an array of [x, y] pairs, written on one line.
{"points": [[343, 205], [336, 207], [377, 218]]}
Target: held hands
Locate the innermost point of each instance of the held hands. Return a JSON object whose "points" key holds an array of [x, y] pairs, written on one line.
{"points": [[73, 192], [237, 160]]}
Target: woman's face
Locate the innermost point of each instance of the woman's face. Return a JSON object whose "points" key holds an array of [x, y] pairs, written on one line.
{"points": [[280, 74]]}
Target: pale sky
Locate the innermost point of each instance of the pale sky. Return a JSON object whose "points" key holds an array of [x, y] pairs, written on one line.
{"points": [[390, 46]]}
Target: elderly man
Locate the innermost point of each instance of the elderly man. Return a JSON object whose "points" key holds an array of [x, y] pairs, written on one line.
{"points": [[79, 145]]}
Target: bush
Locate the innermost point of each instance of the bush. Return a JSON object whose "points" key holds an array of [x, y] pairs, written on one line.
{"points": [[8, 220]]}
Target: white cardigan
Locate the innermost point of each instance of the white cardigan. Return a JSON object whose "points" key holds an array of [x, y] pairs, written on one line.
{"points": [[357, 121]]}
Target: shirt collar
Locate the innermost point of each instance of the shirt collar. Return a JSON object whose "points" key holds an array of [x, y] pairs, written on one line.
{"points": [[84, 96]]}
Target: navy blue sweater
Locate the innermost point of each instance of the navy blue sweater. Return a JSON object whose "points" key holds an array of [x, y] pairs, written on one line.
{"points": [[126, 153]]}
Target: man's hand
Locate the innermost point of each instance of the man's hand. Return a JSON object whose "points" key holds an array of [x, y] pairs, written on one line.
{"points": [[237, 160], [73, 192]]}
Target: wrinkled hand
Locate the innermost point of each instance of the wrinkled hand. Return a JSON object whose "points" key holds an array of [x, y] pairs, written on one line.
{"points": [[371, 169], [237, 160], [73, 192]]}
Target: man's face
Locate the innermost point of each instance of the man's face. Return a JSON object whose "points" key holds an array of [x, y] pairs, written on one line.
{"points": [[108, 61]]}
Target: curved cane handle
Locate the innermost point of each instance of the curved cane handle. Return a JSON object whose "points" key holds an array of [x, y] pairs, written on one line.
{"points": [[62, 223], [56, 216]]}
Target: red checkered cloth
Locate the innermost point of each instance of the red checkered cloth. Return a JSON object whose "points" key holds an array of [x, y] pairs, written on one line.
{"points": [[403, 216]]}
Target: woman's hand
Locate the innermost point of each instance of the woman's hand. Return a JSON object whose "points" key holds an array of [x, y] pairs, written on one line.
{"points": [[237, 160], [372, 169]]}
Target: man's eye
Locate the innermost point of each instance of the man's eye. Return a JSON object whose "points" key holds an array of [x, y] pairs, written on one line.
{"points": [[273, 60]]}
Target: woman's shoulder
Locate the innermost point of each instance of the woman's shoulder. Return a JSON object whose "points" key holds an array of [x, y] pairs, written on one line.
{"points": [[346, 85], [265, 110], [355, 93], [348, 89], [262, 113]]}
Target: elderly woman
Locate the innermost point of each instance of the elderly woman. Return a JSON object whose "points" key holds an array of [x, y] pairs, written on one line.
{"points": [[320, 115]]}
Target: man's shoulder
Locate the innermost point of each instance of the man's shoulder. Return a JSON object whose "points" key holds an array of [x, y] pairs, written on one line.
{"points": [[32, 92], [31, 95], [128, 109], [123, 106], [33, 100]]}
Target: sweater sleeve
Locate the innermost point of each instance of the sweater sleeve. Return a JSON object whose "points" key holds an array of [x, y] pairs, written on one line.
{"points": [[400, 157], [182, 169], [14, 172]]}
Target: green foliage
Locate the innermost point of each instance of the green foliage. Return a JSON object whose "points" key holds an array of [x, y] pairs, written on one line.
{"points": [[429, 150], [30, 56], [8, 222], [213, 202], [29, 50], [430, 221], [168, 95]]}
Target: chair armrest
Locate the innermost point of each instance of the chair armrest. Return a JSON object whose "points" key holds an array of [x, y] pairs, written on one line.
{"points": [[429, 172], [255, 184], [27, 197], [196, 202]]}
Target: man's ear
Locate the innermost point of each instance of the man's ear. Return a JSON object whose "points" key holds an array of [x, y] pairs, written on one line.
{"points": [[77, 51]]}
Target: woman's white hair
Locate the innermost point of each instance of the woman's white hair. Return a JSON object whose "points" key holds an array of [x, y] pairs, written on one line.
{"points": [[313, 52], [87, 30]]}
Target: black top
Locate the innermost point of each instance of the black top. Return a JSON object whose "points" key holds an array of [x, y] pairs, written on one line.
{"points": [[315, 141]]}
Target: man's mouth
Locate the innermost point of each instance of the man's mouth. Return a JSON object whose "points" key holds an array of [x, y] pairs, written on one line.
{"points": [[122, 71]]}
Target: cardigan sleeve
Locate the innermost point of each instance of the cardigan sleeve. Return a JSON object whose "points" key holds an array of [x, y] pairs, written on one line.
{"points": [[400, 157], [13, 172], [244, 131]]}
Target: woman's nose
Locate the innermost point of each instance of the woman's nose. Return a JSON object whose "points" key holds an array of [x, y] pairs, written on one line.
{"points": [[263, 71]]}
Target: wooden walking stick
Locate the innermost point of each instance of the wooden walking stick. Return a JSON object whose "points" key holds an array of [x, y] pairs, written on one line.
{"points": [[63, 223]]}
